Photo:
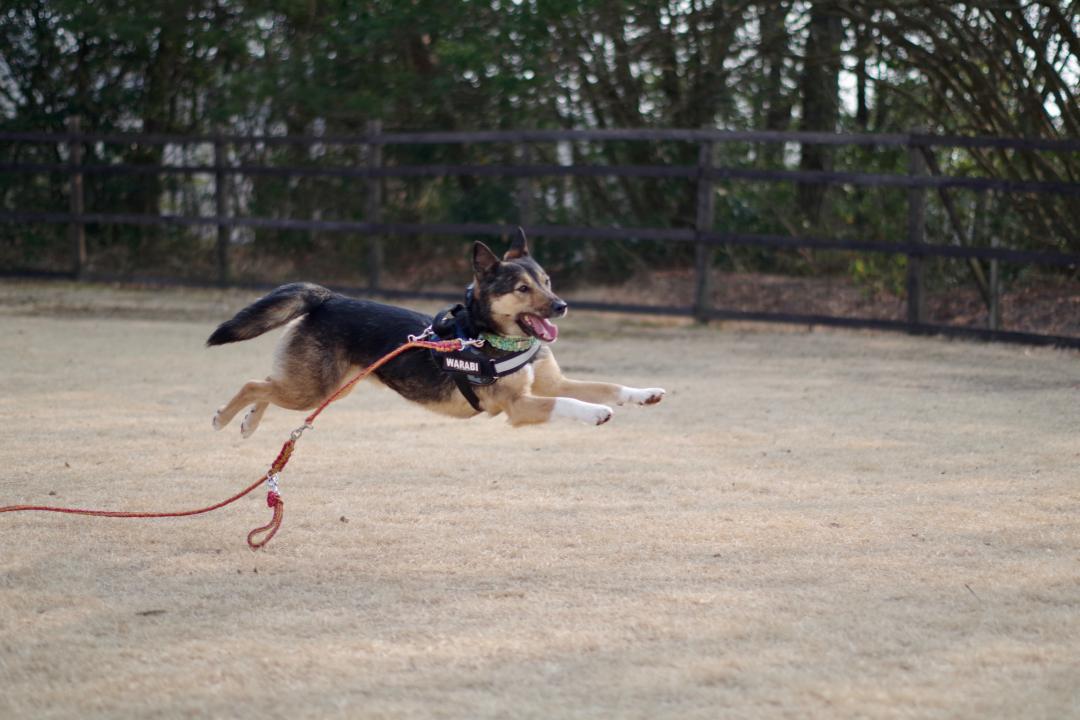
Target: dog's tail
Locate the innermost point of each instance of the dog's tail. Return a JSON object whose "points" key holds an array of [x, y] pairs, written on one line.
{"points": [[274, 310]]}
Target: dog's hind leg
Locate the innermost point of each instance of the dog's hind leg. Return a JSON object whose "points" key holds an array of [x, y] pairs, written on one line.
{"points": [[287, 393], [254, 392], [251, 421]]}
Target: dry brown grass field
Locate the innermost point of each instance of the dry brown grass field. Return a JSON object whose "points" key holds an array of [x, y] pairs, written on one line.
{"points": [[812, 524]]}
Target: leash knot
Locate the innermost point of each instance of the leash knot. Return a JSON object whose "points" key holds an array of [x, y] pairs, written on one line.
{"points": [[283, 457]]}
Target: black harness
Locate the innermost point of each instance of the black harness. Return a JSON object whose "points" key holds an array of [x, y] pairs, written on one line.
{"points": [[471, 365]]}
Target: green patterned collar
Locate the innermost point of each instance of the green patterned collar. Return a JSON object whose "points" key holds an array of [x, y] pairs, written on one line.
{"points": [[509, 343]]}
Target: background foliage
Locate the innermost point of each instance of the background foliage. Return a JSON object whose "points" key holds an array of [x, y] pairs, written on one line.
{"points": [[314, 66]]}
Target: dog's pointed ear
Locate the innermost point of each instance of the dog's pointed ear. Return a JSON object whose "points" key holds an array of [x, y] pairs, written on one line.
{"points": [[483, 260], [519, 247]]}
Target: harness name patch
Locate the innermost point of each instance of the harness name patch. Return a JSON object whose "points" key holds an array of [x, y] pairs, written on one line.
{"points": [[469, 366]]}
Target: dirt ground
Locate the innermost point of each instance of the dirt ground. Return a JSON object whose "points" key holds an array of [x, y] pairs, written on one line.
{"points": [[812, 524]]}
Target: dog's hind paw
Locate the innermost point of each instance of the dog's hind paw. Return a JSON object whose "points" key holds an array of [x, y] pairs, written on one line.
{"points": [[249, 424], [641, 396]]}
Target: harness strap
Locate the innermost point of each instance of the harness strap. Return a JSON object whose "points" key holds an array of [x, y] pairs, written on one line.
{"points": [[517, 361], [466, 389]]}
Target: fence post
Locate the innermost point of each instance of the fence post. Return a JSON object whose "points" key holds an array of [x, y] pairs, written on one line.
{"points": [[221, 210], [994, 321], [374, 203], [916, 236], [703, 223], [76, 228], [526, 186], [993, 284]]}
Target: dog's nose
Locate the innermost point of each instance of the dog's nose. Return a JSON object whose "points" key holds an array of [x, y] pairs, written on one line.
{"points": [[558, 308]]}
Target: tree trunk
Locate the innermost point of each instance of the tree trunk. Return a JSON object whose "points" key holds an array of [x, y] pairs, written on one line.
{"points": [[774, 48], [157, 111], [820, 101]]}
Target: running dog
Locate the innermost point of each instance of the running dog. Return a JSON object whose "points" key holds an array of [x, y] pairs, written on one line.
{"points": [[510, 306]]}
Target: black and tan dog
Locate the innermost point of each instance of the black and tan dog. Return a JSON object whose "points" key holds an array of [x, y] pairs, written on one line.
{"points": [[331, 336]]}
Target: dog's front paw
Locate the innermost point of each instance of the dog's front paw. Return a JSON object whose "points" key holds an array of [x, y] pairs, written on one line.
{"points": [[583, 411], [641, 396], [216, 421], [602, 414]]}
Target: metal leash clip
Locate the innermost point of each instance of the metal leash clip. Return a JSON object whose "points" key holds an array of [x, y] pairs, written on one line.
{"points": [[295, 434], [428, 332]]}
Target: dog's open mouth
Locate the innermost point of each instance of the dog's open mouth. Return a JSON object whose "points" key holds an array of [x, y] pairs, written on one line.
{"points": [[538, 327]]}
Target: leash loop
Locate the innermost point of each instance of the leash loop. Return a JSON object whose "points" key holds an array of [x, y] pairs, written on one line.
{"points": [[254, 540]]}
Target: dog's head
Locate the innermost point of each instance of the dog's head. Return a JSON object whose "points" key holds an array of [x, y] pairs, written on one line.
{"points": [[514, 295]]}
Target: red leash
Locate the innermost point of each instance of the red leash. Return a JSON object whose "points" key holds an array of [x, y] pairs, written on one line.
{"points": [[273, 497]]}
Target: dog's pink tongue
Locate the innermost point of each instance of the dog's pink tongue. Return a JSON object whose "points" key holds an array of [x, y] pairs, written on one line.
{"points": [[545, 329]]}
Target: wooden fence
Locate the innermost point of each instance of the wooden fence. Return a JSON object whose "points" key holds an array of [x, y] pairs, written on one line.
{"points": [[922, 177]]}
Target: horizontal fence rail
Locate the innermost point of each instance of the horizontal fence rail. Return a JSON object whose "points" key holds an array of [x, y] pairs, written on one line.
{"points": [[686, 172], [703, 235], [547, 136]]}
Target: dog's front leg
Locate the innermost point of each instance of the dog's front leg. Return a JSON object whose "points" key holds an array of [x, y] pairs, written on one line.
{"points": [[549, 381], [640, 396], [529, 409]]}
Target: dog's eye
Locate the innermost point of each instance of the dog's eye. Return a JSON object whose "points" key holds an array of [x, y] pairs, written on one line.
{"points": [[523, 288]]}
